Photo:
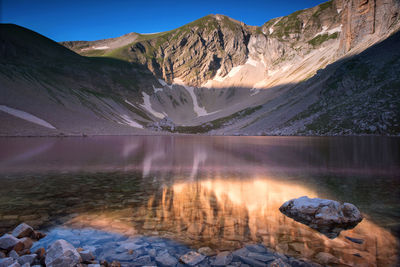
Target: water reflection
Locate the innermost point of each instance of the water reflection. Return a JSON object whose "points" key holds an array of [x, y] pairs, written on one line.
{"points": [[226, 214], [216, 191]]}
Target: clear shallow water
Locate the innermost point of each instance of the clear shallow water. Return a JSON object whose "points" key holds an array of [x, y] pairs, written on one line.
{"points": [[220, 192]]}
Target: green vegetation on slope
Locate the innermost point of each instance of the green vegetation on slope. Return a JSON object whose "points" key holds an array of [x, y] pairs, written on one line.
{"points": [[319, 39]]}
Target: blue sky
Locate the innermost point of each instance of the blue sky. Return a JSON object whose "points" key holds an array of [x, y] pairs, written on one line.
{"points": [[92, 20]]}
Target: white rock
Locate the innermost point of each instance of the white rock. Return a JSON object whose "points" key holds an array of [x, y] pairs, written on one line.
{"points": [[326, 216]]}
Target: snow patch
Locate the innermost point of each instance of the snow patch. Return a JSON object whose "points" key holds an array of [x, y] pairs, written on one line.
{"points": [[254, 91], [101, 47], [331, 31], [157, 89], [271, 30], [26, 116], [128, 121], [197, 109], [339, 10], [163, 83], [147, 105]]}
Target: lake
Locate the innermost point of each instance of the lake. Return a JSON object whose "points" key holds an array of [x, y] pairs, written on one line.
{"points": [[221, 192]]}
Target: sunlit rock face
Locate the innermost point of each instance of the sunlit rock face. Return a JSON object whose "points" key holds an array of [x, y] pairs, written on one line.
{"points": [[227, 213]]}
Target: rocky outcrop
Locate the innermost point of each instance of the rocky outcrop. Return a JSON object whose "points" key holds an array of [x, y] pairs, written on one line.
{"points": [[361, 19], [196, 51], [326, 216]]}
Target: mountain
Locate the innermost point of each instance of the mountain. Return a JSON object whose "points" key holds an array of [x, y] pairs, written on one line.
{"points": [[327, 70]]}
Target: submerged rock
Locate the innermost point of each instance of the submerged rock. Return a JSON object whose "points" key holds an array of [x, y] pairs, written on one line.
{"points": [[22, 230], [27, 259], [223, 259], [9, 242], [329, 217], [86, 255], [192, 258], [62, 253], [5, 262], [206, 251], [165, 259]]}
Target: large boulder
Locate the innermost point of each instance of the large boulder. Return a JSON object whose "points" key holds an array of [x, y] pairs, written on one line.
{"points": [[61, 253], [329, 217]]}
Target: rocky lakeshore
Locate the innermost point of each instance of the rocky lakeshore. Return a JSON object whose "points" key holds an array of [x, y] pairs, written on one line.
{"points": [[27, 247]]}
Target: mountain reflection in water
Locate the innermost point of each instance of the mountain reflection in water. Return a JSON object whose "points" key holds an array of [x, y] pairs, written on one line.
{"points": [[220, 192]]}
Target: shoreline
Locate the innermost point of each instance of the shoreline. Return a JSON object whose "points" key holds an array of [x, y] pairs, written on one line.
{"points": [[128, 251]]}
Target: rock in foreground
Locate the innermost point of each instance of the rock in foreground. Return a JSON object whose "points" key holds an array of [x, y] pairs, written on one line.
{"points": [[62, 253], [329, 217]]}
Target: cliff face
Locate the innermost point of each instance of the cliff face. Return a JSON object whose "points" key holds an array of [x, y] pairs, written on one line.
{"points": [[204, 52], [195, 52], [363, 19]]}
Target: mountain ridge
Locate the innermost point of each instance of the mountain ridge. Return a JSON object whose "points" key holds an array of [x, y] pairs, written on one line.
{"points": [[214, 75]]}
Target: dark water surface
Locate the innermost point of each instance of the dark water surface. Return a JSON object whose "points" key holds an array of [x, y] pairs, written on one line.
{"points": [[221, 192]]}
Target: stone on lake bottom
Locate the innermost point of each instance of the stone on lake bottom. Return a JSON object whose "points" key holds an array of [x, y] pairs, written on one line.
{"points": [[166, 260], [206, 251], [278, 263], [242, 252], [329, 217], [143, 260], [13, 254], [252, 262], [5, 262], [62, 253], [223, 259], [261, 257], [15, 264], [192, 258], [27, 259], [256, 248], [27, 242], [8, 242], [86, 256], [22, 230]]}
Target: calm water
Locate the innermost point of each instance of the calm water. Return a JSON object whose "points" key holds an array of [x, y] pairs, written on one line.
{"points": [[221, 192]]}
